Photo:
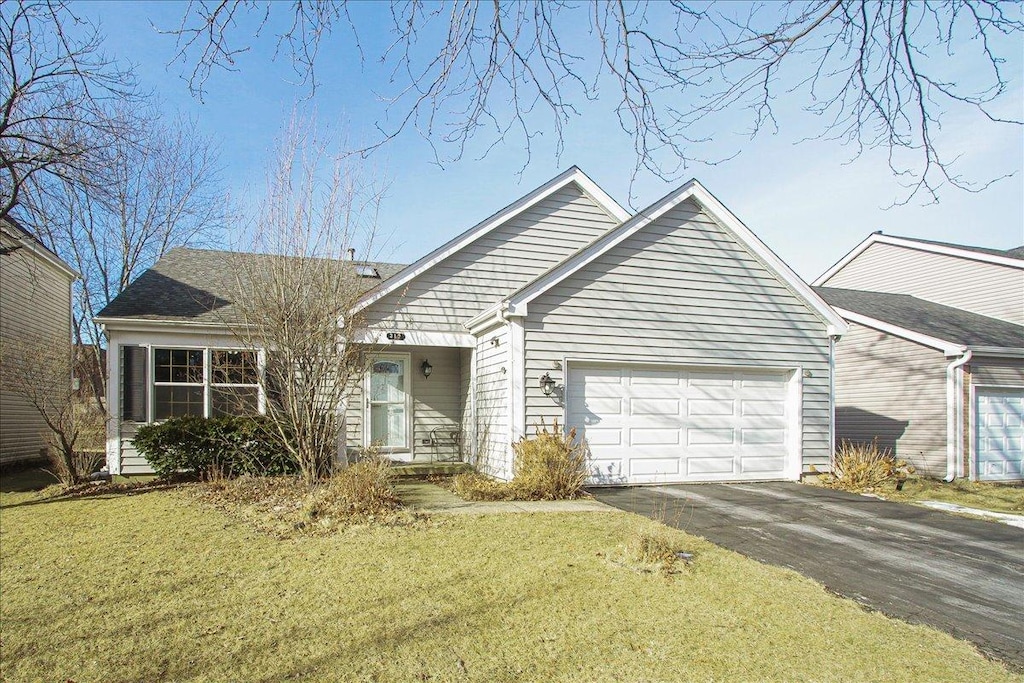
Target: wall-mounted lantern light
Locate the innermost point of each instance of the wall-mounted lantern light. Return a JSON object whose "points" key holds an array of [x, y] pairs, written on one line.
{"points": [[547, 385], [426, 368]]}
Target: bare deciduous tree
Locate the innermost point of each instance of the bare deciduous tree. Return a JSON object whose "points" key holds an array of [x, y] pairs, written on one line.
{"points": [[56, 88], [298, 293], [875, 73], [159, 190]]}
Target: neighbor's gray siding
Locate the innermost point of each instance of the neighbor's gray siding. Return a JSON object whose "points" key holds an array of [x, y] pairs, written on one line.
{"points": [[492, 404], [437, 400], [681, 291], [35, 312], [982, 288], [892, 390], [495, 265], [1007, 372]]}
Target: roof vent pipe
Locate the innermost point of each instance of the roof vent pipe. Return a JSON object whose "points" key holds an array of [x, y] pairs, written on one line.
{"points": [[351, 254]]}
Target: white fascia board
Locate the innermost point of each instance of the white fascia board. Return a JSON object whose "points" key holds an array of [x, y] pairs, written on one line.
{"points": [[717, 211], [947, 347], [920, 246], [573, 175], [416, 338], [487, 319], [143, 324], [997, 351]]}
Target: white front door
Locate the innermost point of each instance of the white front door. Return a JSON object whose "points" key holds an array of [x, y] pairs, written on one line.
{"points": [[387, 403], [999, 434]]}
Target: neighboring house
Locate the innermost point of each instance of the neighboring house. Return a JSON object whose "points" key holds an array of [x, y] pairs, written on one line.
{"points": [[933, 363], [675, 341], [35, 309]]}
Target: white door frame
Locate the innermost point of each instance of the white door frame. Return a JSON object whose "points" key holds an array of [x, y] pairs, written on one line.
{"points": [[972, 438], [407, 388]]}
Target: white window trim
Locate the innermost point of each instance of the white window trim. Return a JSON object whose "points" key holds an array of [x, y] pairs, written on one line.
{"points": [[207, 384]]}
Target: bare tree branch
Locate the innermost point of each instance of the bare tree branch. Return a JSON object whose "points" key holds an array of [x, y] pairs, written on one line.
{"points": [[875, 74]]}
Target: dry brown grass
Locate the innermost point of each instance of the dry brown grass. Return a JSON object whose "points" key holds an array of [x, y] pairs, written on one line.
{"points": [[363, 493], [549, 466], [865, 467]]}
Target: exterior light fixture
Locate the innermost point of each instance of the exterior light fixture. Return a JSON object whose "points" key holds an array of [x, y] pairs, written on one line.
{"points": [[547, 385], [426, 368]]}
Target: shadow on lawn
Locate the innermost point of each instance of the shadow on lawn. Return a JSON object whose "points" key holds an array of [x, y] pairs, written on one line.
{"points": [[35, 479]]}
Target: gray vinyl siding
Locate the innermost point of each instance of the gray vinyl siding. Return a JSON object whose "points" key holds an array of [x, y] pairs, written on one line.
{"points": [[1004, 372], [983, 288], [437, 400], [35, 310], [467, 282], [132, 462], [892, 390], [492, 404], [682, 291]]}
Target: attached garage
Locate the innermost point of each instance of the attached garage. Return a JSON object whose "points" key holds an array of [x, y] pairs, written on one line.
{"points": [[999, 433], [664, 424]]}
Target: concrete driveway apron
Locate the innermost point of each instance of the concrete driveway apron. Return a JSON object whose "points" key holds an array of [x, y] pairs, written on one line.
{"points": [[963, 576]]}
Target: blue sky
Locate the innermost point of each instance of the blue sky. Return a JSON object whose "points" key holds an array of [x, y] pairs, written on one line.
{"points": [[810, 202]]}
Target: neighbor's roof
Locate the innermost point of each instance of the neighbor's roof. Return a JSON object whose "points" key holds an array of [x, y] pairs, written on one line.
{"points": [[200, 286], [924, 317], [1012, 258], [1016, 252], [16, 231]]}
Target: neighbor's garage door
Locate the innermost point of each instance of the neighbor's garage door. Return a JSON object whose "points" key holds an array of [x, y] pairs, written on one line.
{"points": [[657, 424], [999, 433]]}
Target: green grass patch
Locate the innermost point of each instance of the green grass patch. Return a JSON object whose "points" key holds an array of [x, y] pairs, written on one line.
{"points": [[981, 495], [157, 585]]}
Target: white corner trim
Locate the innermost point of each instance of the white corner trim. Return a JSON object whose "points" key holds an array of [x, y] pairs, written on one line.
{"points": [[718, 212], [415, 338], [920, 246], [572, 175], [947, 347], [517, 379]]}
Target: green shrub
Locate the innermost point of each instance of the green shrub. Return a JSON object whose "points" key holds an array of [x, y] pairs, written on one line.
{"points": [[211, 447], [863, 467], [549, 466]]}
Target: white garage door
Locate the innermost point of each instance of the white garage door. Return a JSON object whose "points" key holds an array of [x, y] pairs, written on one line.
{"points": [[999, 434], [658, 424]]}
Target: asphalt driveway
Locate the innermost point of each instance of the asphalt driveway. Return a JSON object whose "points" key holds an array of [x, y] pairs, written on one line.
{"points": [[960, 575]]}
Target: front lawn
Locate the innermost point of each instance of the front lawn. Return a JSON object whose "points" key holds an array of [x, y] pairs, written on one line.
{"points": [[156, 586], [972, 494]]}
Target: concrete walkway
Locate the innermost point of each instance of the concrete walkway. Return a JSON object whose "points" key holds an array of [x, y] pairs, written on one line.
{"points": [[964, 576], [426, 497]]}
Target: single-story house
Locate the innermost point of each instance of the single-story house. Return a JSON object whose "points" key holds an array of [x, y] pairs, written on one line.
{"points": [[932, 366], [678, 345]]}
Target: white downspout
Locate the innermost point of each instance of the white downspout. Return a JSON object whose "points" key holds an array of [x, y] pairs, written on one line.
{"points": [[954, 414], [832, 339]]}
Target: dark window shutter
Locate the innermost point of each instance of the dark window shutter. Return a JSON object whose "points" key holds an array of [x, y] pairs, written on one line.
{"points": [[134, 384]]}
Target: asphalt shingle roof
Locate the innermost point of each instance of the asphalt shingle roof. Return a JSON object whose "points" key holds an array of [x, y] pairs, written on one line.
{"points": [[200, 286], [935, 320]]}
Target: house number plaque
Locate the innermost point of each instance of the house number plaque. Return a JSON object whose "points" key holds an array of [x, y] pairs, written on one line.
{"points": [[396, 336]]}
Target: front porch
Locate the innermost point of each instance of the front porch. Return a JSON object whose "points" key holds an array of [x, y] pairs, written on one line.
{"points": [[413, 404]]}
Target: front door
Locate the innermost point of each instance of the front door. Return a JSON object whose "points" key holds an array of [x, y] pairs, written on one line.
{"points": [[388, 403]]}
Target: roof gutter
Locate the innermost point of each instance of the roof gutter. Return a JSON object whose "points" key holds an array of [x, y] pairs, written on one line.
{"points": [[955, 413]]}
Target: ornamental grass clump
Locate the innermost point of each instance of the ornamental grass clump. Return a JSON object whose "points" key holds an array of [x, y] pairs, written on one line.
{"points": [[550, 466], [865, 467], [362, 490]]}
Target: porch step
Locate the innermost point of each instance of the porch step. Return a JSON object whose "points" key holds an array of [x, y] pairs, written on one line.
{"points": [[427, 469]]}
